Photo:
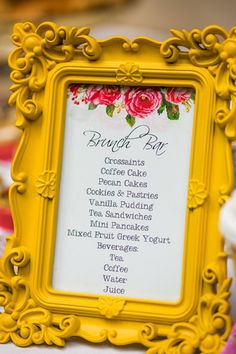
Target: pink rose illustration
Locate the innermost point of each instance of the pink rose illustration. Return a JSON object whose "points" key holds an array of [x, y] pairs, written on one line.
{"points": [[135, 102], [74, 89], [109, 94], [177, 95], [102, 95], [141, 102], [92, 94]]}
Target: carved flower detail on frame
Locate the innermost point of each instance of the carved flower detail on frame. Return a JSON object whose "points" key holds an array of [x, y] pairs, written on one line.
{"points": [[45, 184], [110, 307], [129, 73], [197, 194]]}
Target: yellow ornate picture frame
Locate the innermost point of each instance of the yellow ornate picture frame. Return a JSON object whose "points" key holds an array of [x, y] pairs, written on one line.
{"points": [[52, 64]]}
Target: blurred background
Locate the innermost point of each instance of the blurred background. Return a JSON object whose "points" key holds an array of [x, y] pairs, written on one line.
{"points": [[106, 18]]}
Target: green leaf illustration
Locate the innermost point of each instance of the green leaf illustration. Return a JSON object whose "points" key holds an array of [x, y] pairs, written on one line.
{"points": [[168, 104], [92, 106], [172, 112], [83, 86], [161, 108], [193, 95], [110, 110], [130, 120]]}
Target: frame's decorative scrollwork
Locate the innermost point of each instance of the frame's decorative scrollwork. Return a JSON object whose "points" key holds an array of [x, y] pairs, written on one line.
{"points": [[39, 49], [20, 182], [213, 48], [207, 330], [23, 322]]}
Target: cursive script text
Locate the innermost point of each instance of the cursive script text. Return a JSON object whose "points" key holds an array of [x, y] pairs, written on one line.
{"points": [[141, 133]]}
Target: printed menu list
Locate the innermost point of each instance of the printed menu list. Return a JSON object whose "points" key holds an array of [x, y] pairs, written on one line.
{"points": [[120, 209], [123, 191]]}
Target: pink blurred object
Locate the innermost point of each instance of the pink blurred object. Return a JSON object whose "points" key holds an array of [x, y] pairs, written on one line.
{"points": [[6, 227], [7, 149], [230, 347], [6, 220]]}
